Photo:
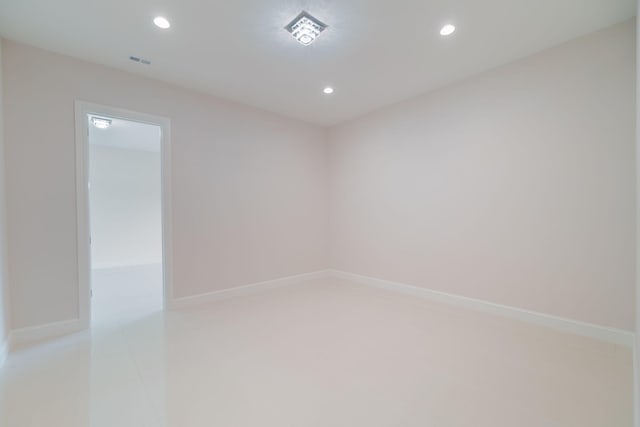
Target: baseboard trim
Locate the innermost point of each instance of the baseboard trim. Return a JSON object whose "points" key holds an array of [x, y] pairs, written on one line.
{"points": [[25, 336], [4, 351], [126, 268], [636, 384], [611, 335], [210, 297]]}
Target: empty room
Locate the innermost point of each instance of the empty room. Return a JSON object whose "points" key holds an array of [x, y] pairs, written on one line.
{"points": [[319, 213]]}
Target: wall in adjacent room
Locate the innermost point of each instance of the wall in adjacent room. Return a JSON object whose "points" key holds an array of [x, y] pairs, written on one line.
{"points": [[250, 188], [516, 186], [125, 203], [4, 284]]}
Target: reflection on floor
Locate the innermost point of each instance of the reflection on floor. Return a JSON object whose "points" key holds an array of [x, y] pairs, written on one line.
{"points": [[325, 353], [125, 293]]}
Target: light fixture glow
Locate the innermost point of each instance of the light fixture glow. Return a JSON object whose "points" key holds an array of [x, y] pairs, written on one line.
{"points": [[328, 90], [305, 28], [447, 30], [161, 22], [101, 123]]}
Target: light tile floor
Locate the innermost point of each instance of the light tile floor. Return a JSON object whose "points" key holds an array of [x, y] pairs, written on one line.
{"points": [[325, 353]]}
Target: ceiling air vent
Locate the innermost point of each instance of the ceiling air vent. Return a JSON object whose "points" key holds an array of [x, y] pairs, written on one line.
{"points": [[140, 60]]}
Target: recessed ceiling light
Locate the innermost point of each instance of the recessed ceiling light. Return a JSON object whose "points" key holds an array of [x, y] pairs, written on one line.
{"points": [[305, 28], [161, 22], [328, 90], [101, 123], [447, 30]]}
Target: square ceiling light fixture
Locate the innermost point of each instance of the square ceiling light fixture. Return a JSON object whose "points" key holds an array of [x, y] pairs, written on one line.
{"points": [[305, 28]]}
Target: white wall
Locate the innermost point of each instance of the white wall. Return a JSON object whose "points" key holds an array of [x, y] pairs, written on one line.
{"points": [[249, 187], [516, 186], [125, 202], [637, 365], [4, 285]]}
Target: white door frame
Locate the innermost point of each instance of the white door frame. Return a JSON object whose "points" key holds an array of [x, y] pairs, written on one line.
{"points": [[82, 109]]}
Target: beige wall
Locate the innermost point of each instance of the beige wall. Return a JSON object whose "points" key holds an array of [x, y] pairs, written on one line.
{"points": [[637, 365], [4, 284], [249, 187], [516, 186]]}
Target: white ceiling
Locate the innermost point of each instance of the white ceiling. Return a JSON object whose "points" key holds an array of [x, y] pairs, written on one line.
{"points": [[375, 52], [126, 134]]}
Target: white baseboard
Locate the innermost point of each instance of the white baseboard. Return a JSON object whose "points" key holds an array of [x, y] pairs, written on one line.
{"points": [[615, 336], [25, 336], [4, 351], [636, 384], [126, 268], [246, 289]]}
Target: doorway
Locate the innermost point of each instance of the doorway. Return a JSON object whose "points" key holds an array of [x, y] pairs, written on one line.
{"points": [[123, 214]]}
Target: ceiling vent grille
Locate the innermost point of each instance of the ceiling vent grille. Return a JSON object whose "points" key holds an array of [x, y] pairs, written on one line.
{"points": [[140, 60]]}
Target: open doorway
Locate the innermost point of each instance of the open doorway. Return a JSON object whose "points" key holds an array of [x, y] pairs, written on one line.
{"points": [[125, 218], [123, 214]]}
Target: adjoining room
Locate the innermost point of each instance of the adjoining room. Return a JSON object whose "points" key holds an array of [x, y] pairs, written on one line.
{"points": [[125, 217]]}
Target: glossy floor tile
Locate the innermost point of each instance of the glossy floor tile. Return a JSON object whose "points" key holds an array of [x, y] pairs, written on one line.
{"points": [[324, 353], [121, 294]]}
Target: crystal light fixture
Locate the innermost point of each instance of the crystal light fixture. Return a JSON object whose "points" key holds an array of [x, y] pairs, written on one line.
{"points": [[305, 28]]}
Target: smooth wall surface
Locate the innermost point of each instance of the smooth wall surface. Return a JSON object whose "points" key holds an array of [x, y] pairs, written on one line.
{"points": [[125, 204], [249, 187], [4, 284], [516, 186], [637, 353]]}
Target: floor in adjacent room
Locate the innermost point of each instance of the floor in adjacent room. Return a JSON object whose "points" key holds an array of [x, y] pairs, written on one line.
{"points": [[124, 294], [325, 353]]}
